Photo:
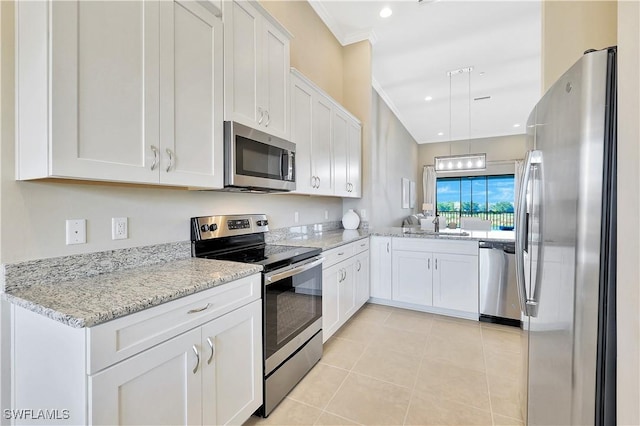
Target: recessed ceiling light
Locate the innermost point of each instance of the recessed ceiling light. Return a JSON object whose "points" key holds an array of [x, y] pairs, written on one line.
{"points": [[428, 98], [385, 12], [516, 125], [440, 133]]}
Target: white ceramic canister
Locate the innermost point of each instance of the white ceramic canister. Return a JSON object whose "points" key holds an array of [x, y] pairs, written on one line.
{"points": [[350, 220]]}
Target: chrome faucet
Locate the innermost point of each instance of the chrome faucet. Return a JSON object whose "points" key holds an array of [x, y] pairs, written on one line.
{"points": [[436, 224]]}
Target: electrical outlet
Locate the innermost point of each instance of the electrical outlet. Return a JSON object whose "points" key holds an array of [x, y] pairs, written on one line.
{"points": [[326, 214], [363, 214], [296, 217], [76, 231], [119, 228]]}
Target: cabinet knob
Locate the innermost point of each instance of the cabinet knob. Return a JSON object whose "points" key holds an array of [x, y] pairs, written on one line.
{"points": [[195, 351], [261, 112], [170, 154], [155, 157], [268, 119], [213, 350]]}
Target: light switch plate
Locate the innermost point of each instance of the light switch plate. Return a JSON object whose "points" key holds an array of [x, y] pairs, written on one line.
{"points": [[76, 231], [119, 228]]}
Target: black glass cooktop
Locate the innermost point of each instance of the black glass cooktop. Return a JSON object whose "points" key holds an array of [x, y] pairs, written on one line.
{"points": [[270, 256]]}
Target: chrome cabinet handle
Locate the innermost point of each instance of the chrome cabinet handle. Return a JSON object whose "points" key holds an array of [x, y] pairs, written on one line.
{"points": [[213, 350], [359, 266], [170, 154], [268, 119], [261, 115], [193, 311], [195, 351], [341, 253], [319, 181], [155, 157], [387, 247], [313, 181], [436, 263], [429, 263]]}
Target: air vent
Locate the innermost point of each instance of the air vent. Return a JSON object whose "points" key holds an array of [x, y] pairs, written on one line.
{"points": [[482, 98]]}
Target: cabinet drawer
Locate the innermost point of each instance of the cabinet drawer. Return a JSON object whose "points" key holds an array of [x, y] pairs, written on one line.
{"points": [[338, 254], [361, 245], [121, 338], [433, 245]]}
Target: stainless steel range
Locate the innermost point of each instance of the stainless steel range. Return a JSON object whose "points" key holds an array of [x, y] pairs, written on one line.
{"points": [[292, 295]]}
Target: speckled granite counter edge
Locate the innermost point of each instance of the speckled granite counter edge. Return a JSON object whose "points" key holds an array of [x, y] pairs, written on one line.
{"points": [[397, 234], [133, 306], [55, 269]]}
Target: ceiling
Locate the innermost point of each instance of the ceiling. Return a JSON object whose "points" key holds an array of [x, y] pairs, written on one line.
{"points": [[419, 43]]}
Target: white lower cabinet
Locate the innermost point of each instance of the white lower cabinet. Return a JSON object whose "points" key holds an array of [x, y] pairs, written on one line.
{"points": [[380, 251], [345, 285], [412, 280], [455, 282], [157, 387], [196, 360], [433, 275]]}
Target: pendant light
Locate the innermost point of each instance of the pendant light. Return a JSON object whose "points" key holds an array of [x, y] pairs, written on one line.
{"points": [[466, 162]]}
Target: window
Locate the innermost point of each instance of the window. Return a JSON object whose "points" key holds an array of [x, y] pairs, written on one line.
{"points": [[485, 197]]}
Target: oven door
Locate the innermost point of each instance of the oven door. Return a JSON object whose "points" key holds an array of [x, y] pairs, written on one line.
{"points": [[292, 310], [254, 159]]}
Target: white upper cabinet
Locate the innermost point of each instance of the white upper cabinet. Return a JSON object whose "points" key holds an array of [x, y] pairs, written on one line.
{"points": [[191, 77], [328, 142], [256, 68], [119, 91]]}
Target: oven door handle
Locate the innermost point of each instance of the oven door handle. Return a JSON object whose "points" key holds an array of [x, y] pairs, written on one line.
{"points": [[278, 276]]}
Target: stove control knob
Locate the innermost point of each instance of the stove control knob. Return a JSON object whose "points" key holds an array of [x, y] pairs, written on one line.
{"points": [[213, 227], [204, 228]]}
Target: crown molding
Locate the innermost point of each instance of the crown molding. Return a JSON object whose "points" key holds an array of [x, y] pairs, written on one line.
{"points": [[334, 27], [383, 95]]}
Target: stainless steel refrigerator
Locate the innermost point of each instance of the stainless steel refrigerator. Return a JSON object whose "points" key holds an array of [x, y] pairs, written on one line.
{"points": [[566, 248]]}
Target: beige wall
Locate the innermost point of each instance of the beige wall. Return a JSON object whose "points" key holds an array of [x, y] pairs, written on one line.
{"points": [[32, 214], [315, 52], [628, 219], [571, 27], [392, 155]]}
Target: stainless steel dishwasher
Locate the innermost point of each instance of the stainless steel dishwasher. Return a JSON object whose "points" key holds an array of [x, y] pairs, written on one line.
{"points": [[498, 289]]}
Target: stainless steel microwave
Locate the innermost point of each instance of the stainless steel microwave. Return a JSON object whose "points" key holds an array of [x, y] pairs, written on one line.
{"points": [[256, 161]]}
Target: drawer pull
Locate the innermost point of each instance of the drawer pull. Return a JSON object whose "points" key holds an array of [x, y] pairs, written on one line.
{"points": [[213, 350], [341, 254], [194, 311], [195, 351]]}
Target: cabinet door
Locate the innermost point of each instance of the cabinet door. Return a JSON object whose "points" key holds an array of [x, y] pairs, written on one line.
{"points": [[347, 292], [362, 279], [455, 282], [330, 294], [242, 62], [412, 277], [355, 159], [232, 366], [301, 133], [321, 147], [380, 252], [340, 152], [275, 81], [191, 95], [158, 386], [104, 91]]}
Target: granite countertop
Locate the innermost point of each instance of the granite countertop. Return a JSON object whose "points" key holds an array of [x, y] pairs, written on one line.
{"points": [[325, 240], [88, 301], [448, 234]]}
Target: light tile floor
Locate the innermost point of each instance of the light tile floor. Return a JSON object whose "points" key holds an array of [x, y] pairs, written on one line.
{"points": [[393, 366]]}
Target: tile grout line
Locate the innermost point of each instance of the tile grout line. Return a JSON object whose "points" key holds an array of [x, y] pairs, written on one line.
{"points": [[486, 377], [415, 382]]}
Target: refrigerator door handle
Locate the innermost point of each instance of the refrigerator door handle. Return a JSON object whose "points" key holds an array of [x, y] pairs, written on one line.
{"points": [[534, 298], [532, 157]]}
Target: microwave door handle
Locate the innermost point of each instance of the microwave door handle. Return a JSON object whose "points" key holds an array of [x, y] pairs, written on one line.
{"points": [[291, 165]]}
